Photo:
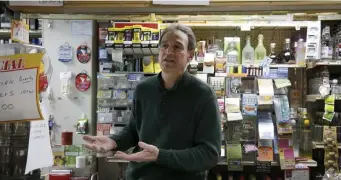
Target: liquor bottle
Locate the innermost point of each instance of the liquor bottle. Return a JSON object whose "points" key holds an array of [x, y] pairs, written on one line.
{"points": [[300, 53], [5, 21], [295, 131], [260, 51], [272, 54], [326, 47], [337, 44], [232, 53], [252, 177], [325, 75], [287, 55], [219, 177], [305, 136], [248, 53]]}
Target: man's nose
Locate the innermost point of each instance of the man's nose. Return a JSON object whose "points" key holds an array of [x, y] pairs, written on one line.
{"points": [[169, 50]]}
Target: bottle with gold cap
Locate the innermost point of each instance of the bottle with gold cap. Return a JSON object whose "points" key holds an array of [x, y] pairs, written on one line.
{"points": [[219, 177], [305, 136]]}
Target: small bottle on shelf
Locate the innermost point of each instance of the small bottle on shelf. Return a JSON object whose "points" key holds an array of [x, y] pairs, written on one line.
{"points": [[287, 55], [306, 136], [300, 53], [272, 54], [260, 51], [248, 53]]}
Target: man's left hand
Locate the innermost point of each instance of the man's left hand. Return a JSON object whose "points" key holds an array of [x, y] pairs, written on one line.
{"points": [[148, 154]]}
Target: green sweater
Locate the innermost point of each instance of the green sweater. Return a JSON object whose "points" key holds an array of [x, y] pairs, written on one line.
{"points": [[183, 122]]}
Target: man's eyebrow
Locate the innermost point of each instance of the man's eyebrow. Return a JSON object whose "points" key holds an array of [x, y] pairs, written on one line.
{"points": [[163, 41]]}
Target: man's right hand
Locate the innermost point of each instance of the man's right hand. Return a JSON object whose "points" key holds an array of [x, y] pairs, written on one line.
{"points": [[99, 144]]}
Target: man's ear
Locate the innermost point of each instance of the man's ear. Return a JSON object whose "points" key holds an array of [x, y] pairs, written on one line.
{"points": [[190, 57]]}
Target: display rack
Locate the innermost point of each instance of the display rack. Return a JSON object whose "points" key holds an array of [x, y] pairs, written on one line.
{"points": [[220, 82]]}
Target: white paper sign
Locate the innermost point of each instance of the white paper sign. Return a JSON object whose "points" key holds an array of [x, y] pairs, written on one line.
{"points": [[81, 27], [266, 91], [18, 99], [20, 32], [65, 53], [266, 131], [182, 2], [39, 148]]}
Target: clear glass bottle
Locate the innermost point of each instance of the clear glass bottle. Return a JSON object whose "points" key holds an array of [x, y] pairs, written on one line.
{"points": [[5, 21], [287, 55], [326, 44], [260, 51], [300, 53], [272, 54], [305, 136], [325, 75], [295, 131], [232, 53], [334, 87], [248, 53]]}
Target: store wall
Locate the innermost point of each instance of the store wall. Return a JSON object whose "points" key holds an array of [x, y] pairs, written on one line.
{"points": [[67, 110]]}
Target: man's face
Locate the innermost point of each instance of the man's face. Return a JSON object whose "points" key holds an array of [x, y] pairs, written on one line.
{"points": [[174, 55]]}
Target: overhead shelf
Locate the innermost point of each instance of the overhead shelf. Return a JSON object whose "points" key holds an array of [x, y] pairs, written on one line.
{"points": [[320, 145], [245, 24], [314, 97], [314, 63], [309, 163], [7, 32], [216, 6]]}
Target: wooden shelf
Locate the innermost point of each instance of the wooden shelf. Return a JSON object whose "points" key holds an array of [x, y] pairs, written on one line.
{"points": [[146, 7]]}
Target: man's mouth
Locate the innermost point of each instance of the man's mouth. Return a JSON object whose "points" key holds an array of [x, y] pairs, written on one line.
{"points": [[169, 60]]}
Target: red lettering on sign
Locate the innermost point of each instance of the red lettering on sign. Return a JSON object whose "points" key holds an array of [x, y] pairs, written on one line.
{"points": [[12, 64]]}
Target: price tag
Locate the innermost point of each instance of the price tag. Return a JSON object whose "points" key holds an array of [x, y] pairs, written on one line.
{"points": [[263, 167], [245, 27]]}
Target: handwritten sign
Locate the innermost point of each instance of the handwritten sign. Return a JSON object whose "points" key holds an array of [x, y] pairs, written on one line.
{"points": [[19, 87], [20, 32], [39, 144]]}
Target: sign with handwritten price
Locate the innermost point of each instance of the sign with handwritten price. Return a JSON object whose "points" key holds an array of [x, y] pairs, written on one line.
{"points": [[19, 87]]}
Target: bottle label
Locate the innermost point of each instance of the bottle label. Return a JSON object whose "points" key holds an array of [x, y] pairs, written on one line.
{"points": [[247, 57], [232, 59], [260, 56]]}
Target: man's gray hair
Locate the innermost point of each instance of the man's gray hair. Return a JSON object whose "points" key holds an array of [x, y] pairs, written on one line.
{"points": [[185, 29]]}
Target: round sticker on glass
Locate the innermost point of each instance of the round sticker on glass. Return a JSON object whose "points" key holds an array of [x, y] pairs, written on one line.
{"points": [[83, 82], [83, 54]]}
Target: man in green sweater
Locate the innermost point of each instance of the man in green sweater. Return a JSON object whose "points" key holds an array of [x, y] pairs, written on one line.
{"points": [[175, 123]]}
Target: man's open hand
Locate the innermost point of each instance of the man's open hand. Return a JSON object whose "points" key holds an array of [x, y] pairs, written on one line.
{"points": [[148, 154], [99, 144]]}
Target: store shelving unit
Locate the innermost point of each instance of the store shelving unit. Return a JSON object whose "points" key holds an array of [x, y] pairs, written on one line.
{"points": [[275, 20], [273, 32]]}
